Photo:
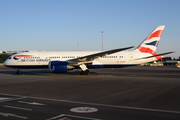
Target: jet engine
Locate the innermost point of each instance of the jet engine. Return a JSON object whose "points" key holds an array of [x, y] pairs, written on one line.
{"points": [[59, 67]]}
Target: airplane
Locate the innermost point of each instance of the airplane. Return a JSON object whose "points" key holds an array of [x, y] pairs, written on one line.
{"points": [[62, 62]]}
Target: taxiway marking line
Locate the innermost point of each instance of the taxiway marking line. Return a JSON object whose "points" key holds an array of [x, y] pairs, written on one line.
{"points": [[56, 117], [64, 115], [17, 108], [101, 105], [31, 103], [12, 115], [12, 99]]}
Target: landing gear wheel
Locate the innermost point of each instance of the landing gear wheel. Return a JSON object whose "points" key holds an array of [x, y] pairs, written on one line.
{"points": [[82, 73], [86, 72], [18, 72]]}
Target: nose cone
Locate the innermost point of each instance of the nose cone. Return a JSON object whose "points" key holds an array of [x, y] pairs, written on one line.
{"points": [[6, 63]]}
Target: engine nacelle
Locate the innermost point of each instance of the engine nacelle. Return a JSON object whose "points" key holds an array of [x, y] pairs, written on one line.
{"points": [[57, 66]]}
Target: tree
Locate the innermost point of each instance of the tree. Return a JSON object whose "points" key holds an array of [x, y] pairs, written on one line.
{"points": [[3, 57]]}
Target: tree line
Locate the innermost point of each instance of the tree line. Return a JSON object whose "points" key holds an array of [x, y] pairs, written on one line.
{"points": [[3, 57]]}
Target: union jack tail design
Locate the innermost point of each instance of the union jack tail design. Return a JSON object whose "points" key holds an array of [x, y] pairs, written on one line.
{"points": [[149, 45]]}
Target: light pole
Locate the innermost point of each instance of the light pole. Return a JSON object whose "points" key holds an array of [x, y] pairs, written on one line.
{"points": [[102, 40], [78, 46]]}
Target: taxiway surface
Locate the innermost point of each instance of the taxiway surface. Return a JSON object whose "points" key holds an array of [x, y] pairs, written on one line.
{"points": [[125, 93]]}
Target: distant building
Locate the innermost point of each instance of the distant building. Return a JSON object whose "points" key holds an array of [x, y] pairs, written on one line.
{"points": [[14, 52]]}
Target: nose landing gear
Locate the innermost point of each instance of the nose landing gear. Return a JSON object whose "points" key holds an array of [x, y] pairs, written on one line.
{"points": [[17, 70]]}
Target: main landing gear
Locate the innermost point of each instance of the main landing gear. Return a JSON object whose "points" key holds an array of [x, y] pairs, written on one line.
{"points": [[84, 71], [17, 70]]}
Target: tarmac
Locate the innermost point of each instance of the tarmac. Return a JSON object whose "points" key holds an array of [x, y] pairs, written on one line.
{"points": [[122, 93]]}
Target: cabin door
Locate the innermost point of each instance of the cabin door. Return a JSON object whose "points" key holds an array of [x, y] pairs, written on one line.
{"points": [[130, 58]]}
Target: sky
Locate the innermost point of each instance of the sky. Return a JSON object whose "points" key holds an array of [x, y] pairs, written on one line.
{"points": [[60, 25]]}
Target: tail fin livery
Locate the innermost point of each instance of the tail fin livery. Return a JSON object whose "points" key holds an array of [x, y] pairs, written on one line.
{"points": [[149, 45]]}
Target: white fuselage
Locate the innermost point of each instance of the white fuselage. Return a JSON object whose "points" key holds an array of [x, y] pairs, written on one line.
{"points": [[41, 59]]}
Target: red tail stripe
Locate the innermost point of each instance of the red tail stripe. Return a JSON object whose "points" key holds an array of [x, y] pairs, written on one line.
{"points": [[155, 34], [23, 56], [148, 50]]}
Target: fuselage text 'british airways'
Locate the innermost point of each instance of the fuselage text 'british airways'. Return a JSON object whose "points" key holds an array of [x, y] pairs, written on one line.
{"points": [[35, 60]]}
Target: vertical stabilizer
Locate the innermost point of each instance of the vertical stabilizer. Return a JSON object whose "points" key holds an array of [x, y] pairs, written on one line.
{"points": [[149, 45]]}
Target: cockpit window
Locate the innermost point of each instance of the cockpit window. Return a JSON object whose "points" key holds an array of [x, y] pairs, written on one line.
{"points": [[9, 57]]}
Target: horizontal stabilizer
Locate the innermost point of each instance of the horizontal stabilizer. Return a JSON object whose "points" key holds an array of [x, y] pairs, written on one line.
{"points": [[155, 55]]}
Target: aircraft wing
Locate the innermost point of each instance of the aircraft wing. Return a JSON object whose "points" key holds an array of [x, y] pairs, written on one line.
{"points": [[155, 55], [91, 57]]}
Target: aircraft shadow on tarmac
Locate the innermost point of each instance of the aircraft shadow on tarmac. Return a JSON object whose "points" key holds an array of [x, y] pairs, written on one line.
{"points": [[169, 71], [30, 72], [43, 72]]}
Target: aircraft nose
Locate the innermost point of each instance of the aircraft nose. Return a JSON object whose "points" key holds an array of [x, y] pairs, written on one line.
{"points": [[6, 63]]}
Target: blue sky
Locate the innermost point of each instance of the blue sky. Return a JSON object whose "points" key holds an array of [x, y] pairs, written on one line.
{"points": [[59, 25]]}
